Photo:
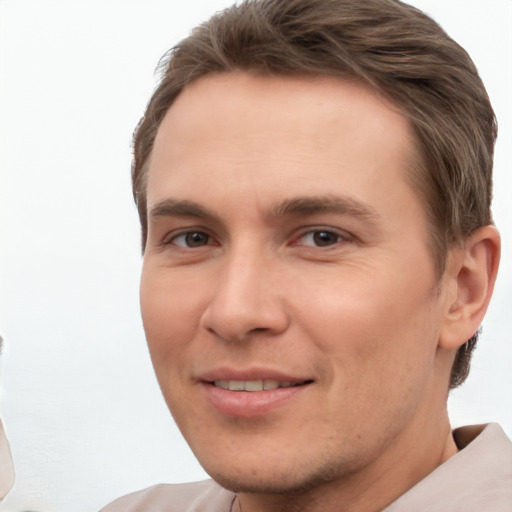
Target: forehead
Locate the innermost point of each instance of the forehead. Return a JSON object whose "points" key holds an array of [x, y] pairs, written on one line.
{"points": [[291, 132]]}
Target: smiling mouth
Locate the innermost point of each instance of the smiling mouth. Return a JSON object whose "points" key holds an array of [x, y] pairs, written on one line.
{"points": [[256, 385]]}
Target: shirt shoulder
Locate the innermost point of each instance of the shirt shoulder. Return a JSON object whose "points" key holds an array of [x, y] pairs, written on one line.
{"points": [[205, 496], [478, 478]]}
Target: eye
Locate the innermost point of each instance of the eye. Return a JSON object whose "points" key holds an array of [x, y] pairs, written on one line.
{"points": [[321, 238], [191, 239]]}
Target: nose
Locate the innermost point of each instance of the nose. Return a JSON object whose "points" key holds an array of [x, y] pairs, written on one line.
{"points": [[248, 298]]}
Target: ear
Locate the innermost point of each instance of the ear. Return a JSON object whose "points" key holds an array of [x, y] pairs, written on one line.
{"points": [[471, 272]]}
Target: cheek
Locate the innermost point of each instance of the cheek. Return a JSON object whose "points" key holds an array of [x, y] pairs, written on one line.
{"points": [[168, 316], [373, 325]]}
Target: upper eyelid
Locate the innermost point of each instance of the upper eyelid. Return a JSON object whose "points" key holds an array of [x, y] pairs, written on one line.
{"points": [[171, 235], [329, 229], [295, 235]]}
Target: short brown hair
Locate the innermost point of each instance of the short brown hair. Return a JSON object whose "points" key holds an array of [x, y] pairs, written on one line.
{"points": [[393, 46]]}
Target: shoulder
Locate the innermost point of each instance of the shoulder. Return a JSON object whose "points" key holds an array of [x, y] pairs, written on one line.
{"points": [[478, 478], [205, 496]]}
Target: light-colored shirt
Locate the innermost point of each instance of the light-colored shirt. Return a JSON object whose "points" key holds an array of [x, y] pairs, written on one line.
{"points": [[477, 479]]}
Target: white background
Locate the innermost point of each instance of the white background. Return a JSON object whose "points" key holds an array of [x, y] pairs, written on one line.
{"points": [[81, 406]]}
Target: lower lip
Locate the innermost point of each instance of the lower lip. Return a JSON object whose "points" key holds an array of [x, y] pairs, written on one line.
{"points": [[250, 404]]}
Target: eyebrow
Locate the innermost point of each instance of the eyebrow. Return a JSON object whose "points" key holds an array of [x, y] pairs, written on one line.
{"points": [[179, 208], [311, 205], [296, 206]]}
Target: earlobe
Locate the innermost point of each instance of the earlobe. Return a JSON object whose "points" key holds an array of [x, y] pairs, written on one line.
{"points": [[473, 271]]}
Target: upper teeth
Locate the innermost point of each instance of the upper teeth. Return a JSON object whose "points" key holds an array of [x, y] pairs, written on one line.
{"points": [[252, 385]]}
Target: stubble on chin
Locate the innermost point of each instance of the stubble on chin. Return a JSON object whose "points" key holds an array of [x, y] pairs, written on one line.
{"points": [[294, 484]]}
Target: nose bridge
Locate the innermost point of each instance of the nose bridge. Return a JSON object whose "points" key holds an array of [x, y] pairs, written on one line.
{"points": [[246, 297]]}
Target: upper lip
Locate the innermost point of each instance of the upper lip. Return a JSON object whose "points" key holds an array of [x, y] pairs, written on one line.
{"points": [[249, 374]]}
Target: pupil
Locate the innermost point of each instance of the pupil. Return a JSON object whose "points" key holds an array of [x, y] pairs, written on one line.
{"points": [[323, 238], [196, 239]]}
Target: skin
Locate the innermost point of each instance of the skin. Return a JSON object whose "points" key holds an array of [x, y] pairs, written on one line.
{"points": [[244, 271]]}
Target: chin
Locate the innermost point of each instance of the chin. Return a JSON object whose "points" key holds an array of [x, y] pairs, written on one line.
{"points": [[277, 481]]}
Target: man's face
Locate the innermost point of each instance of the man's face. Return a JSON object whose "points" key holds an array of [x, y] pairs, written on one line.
{"points": [[288, 256]]}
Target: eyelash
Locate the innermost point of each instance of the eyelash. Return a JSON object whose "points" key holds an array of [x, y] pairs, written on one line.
{"points": [[185, 234], [206, 238], [339, 237]]}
